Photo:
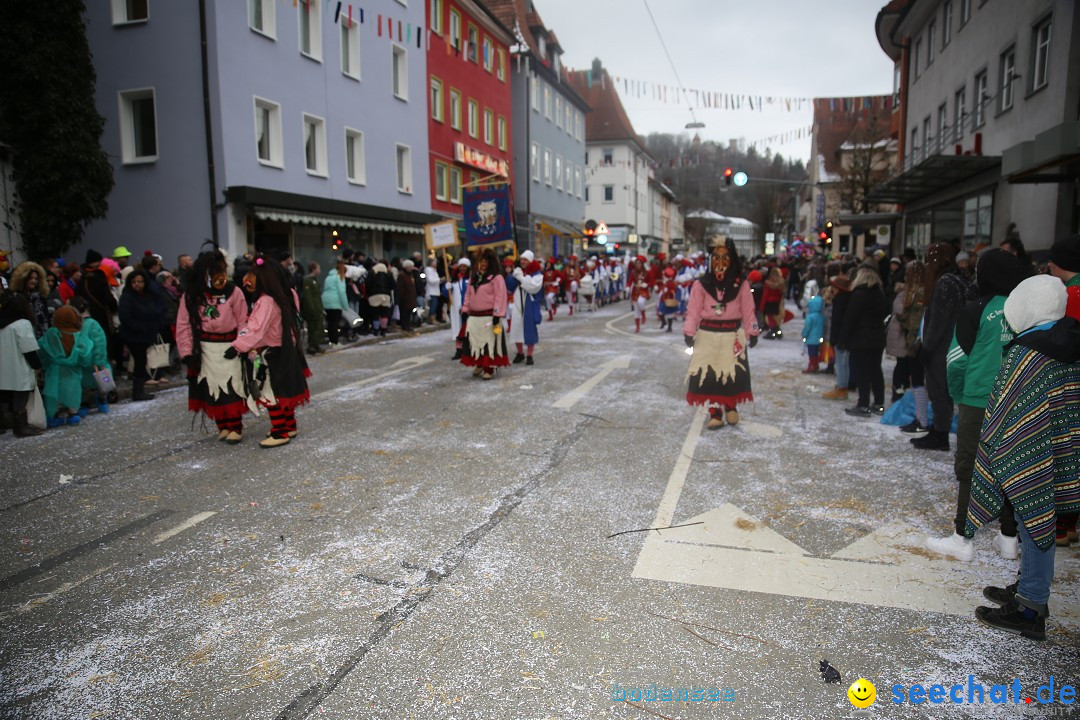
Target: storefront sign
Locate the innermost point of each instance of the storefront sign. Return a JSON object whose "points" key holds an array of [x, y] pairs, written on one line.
{"points": [[481, 160]]}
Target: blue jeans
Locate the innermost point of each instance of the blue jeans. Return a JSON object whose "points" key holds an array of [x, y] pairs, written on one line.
{"points": [[432, 306], [842, 358], [1036, 569]]}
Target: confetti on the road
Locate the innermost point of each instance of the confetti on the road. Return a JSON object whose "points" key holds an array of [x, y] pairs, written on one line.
{"points": [[65, 479]]}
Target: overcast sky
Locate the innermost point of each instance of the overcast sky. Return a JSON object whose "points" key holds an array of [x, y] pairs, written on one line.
{"points": [[754, 47]]}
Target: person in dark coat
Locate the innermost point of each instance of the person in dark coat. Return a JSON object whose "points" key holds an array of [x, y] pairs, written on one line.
{"points": [[94, 286], [406, 294], [948, 293], [840, 289], [863, 334], [142, 317]]}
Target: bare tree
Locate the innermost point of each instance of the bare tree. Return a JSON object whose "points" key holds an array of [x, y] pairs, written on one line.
{"points": [[864, 164]]}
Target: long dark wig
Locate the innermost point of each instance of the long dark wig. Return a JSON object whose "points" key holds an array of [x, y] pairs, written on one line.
{"points": [[732, 279], [268, 281], [197, 284], [494, 267]]}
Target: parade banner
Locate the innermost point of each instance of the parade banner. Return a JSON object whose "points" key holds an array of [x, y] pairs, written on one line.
{"points": [[488, 215]]}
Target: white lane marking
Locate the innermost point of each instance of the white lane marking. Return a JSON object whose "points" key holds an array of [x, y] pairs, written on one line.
{"points": [[65, 479], [682, 467], [401, 366], [66, 587], [571, 398], [187, 524]]}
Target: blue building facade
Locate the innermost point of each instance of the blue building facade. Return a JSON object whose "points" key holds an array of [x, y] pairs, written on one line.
{"points": [[297, 123]]}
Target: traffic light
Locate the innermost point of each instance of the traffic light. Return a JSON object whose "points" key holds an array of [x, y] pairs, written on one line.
{"points": [[828, 232], [728, 173]]}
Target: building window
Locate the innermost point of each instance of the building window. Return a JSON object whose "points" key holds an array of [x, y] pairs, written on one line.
{"points": [[569, 120], [547, 101], [399, 73], [609, 157], [268, 132], [435, 21], [489, 127], [931, 39], [441, 180], [404, 169], [959, 114], [558, 173], [980, 100], [455, 29], [942, 127], [474, 40], [577, 180], [568, 177], [455, 109], [609, 193], [927, 138], [1008, 75], [547, 167], [965, 12], [558, 111], [474, 119], [436, 99], [489, 54], [262, 16], [455, 185], [138, 126], [581, 127], [946, 22], [534, 161], [915, 59], [355, 166], [130, 11], [500, 65], [350, 48], [1040, 43], [914, 153], [535, 93], [310, 15], [896, 85], [502, 133], [315, 145]]}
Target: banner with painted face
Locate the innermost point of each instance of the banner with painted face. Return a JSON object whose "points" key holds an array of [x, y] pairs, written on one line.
{"points": [[488, 215]]}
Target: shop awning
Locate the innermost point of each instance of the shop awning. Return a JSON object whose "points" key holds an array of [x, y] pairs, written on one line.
{"points": [[555, 227], [335, 221], [1052, 157], [932, 175]]}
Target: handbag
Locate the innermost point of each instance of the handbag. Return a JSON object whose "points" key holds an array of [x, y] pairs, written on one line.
{"points": [[35, 410], [157, 355], [106, 383], [671, 303]]}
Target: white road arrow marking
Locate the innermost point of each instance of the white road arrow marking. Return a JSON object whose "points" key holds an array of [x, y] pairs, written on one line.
{"points": [[572, 397], [66, 587], [189, 523], [401, 366], [678, 475]]}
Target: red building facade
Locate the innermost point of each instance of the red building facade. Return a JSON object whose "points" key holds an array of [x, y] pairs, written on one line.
{"points": [[469, 108]]}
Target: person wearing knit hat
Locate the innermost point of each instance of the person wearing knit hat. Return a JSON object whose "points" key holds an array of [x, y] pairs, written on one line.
{"points": [[1027, 450], [459, 284], [65, 356], [1065, 266], [571, 282], [525, 285], [93, 258]]}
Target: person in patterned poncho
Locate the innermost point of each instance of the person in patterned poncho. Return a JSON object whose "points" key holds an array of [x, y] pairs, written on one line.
{"points": [[1029, 448]]}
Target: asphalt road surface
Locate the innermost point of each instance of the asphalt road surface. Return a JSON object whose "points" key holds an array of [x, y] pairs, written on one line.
{"points": [[437, 546]]}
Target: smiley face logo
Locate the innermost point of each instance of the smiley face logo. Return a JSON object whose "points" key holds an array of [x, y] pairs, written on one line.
{"points": [[862, 693]]}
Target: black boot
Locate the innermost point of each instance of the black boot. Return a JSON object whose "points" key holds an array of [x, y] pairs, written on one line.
{"points": [[529, 360], [933, 440], [457, 354], [138, 392], [7, 419], [23, 428], [670, 322], [1001, 596], [520, 357], [1015, 617]]}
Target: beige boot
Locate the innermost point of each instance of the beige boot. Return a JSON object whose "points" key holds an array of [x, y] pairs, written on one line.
{"points": [[233, 438], [732, 417], [274, 441], [835, 394]]}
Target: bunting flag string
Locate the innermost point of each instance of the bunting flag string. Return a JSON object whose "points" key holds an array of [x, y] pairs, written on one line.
{"points": [[789, 136]]}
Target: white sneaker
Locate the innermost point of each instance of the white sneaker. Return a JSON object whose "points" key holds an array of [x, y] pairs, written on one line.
{"points": [[1005, 545], [954, 546]]}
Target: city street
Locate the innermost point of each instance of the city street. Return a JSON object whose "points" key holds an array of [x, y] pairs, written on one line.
{"points": [[435, 546]]}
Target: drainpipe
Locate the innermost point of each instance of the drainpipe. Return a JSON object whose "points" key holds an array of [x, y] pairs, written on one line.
{"points": [[207, 123]]}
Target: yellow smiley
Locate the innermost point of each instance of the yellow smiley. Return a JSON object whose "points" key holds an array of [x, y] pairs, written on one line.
{"points": [[862, 693]]}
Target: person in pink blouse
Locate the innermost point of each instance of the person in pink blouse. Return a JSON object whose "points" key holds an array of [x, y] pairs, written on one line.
{"points": [[720, 319], [212, 311], [485, 303], [272, 334]]}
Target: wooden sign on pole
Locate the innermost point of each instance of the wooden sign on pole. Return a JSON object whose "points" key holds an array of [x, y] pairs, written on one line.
{"points": [[441, 235]]}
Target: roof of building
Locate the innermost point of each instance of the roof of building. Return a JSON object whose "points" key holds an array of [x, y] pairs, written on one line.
{"points": [[608, 120], [885, 23], [836, 119]]}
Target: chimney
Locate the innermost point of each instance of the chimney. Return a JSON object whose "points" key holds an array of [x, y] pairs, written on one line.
{"points": [[597, 69]]}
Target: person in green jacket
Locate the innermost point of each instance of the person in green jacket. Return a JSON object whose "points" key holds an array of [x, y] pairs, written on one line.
{"points": [[99, 356], [65, 354], [972, 364], [335, 299], [312, 310]]}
